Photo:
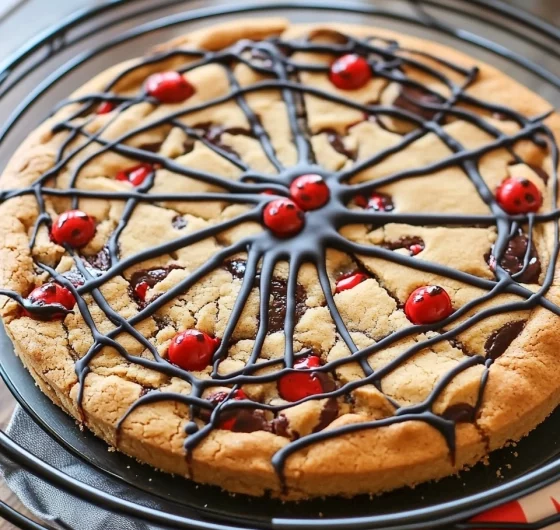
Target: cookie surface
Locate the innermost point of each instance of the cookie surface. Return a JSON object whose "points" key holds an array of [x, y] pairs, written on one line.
{"points": [[287, 259]]}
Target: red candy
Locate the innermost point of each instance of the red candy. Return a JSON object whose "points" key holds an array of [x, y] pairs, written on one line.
{"points": [[519, 195], [309, 192], [350, 72], [74, 228], [169, 87], [136, 174], [49, 294], [141, 289], [415, 249], [349, 281], [378, 202], [427, 305], [105, 107], [299, 385], [228, 423], [283, 217], [192, 349]]}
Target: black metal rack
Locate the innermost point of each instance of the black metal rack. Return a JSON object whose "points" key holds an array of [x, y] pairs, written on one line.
{"points": [[68, 45]]}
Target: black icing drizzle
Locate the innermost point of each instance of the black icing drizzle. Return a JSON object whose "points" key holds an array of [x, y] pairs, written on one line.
{"points": [[418, 105]]}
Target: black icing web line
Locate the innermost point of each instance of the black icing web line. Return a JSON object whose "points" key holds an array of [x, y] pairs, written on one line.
{"points": [[264, 251]]}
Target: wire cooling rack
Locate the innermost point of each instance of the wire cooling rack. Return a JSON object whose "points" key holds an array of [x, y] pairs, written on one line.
{"points": [[92, 39]]}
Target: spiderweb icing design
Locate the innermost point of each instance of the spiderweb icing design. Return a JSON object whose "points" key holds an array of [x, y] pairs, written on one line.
{"points": [[273, 58]]}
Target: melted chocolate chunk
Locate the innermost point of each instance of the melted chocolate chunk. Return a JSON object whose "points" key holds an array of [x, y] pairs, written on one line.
{"points": [[277, 308], [152, 147], [188, 145], [212, 133], [540, 172], [278, 291], [413, 244], [410, 98], [239, 419], [328, 414], [151, 276], [499, 341], [336, 142], [249, 420], [74, 276], [513, 259], [328, 384], [178, 222], [236, 267], [100, 261], [261, 58], [280, 426], [460, 413]]}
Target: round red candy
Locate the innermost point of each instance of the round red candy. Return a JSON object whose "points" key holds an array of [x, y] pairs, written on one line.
{"points": [[74, 228], [518, 196], [310, 191], [349, 281], [350, 72], [49, 294], [105, 107], [136, 174], [169, 87], [283, 217], [427, 305], [299, 385], [192, 349]]}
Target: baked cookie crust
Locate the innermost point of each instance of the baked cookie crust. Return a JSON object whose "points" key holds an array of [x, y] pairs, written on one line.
{"points": [[463, 389]]}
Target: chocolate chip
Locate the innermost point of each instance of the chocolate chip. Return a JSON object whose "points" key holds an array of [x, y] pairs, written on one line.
{"points": [[410, 98], [280, 426], [151, 276], [249, 420], [152, 147], [179, 222], [188, 145], [213, 134], [278, 292], [460, 413], [245, 419], [513, 259], [540, 172], [335, 140], [413, 244], [236, 267], [277, 308], [500, 340], [100, 261], [328, 414]]}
